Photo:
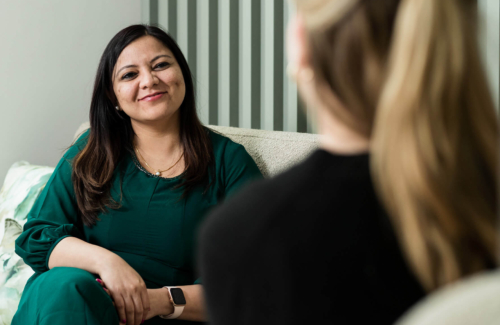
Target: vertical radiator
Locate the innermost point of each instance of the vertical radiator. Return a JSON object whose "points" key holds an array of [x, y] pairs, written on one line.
{"points": [[236, 52]]}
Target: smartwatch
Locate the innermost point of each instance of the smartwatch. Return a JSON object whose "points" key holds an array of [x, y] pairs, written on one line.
{"points": [[177, 299]]}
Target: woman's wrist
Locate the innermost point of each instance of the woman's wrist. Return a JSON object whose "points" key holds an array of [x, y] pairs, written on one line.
{"points": [[160, 302]]}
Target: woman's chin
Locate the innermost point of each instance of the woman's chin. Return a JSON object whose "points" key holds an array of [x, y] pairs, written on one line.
{"points": [[156, 118]]}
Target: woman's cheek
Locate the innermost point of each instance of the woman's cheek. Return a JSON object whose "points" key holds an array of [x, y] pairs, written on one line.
{"points": [[128, 93], [175, 77]]}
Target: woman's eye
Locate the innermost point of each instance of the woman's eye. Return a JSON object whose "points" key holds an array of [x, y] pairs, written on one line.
{"points": [[161, 65], [128, 75]]}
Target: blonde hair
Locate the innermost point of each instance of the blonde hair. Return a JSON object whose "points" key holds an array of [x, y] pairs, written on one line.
{"points": [[410, 75]]}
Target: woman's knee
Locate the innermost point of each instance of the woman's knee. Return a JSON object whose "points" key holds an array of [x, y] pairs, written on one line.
{"points": [[68, 275], [66, 291]]}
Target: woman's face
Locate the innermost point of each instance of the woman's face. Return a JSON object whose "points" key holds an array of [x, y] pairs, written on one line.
{"points": [[148, 82]]}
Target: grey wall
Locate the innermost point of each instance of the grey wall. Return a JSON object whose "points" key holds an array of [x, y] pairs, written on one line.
{"points": [[49, 51]]}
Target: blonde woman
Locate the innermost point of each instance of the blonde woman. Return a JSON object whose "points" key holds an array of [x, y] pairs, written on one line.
{"points": [[401, 197]]}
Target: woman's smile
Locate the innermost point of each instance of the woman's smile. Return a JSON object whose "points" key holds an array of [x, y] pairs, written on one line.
{"points": [[152, 97]]}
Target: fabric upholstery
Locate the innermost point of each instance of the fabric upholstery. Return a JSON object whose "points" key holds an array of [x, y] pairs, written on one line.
{"points": [[474, 300]]}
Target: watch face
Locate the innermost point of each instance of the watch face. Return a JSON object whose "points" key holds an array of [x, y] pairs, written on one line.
{"points": [[177, 296]]}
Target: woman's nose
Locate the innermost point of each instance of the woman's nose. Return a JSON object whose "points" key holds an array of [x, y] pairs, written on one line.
{"points": [[149, 80]]}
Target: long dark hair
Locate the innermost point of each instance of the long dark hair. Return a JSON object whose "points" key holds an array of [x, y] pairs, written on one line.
{"points": [[111, 134]]}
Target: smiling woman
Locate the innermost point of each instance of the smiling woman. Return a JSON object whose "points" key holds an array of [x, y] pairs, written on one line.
{"points": [[150, 91], [124, 203]]}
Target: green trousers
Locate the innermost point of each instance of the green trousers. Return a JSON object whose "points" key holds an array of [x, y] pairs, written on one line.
{"points": [[65, 295]]}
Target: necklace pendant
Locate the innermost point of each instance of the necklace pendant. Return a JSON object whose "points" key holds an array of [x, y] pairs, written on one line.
{"points": [[158, 173]]}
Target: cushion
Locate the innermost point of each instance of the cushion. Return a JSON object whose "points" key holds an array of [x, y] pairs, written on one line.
{"points": [[21, 187], [473, 300]]}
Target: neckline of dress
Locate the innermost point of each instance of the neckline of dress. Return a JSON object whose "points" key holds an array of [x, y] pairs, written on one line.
{"points": [[142, 169]]}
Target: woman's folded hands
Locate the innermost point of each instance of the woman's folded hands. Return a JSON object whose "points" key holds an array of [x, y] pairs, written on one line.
{"points": [[157, 299], [127, 290]]}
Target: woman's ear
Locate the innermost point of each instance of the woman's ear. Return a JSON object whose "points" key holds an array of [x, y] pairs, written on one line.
{"points": [[298, 58]]}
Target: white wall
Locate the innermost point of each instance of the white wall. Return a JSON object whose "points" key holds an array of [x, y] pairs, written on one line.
{"points": [[49, 52]]}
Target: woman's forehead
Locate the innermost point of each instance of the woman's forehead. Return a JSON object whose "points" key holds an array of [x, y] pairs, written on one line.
{"points": [[143, 49]]}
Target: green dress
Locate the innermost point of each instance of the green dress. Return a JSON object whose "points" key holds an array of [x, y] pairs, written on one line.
{"points": [[154, 231]]}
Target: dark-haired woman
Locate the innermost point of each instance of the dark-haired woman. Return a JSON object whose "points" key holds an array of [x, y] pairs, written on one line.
{"points": [[124, 202]]}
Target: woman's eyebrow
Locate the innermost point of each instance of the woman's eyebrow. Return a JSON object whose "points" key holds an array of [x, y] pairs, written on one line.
{"points": [[159, 56], [134, 66], [125, 67]]}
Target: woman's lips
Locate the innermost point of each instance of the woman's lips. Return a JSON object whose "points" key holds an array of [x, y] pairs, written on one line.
{"points": [[153, 97]]}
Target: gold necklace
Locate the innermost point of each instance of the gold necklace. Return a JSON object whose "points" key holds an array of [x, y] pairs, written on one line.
{"points": [[158, 172]]}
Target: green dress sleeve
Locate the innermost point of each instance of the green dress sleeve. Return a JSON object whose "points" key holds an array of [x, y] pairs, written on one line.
{"points": [[237, 170], [53, 216]]}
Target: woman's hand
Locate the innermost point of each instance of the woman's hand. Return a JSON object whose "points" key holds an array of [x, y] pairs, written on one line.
{"points": [[158, 299], [127, 289]]}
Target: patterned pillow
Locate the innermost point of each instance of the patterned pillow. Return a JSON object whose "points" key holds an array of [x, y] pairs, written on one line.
{"points": [[22, 185]]}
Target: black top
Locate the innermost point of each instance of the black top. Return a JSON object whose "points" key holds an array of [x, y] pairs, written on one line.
{"points": [[310, 246]]}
